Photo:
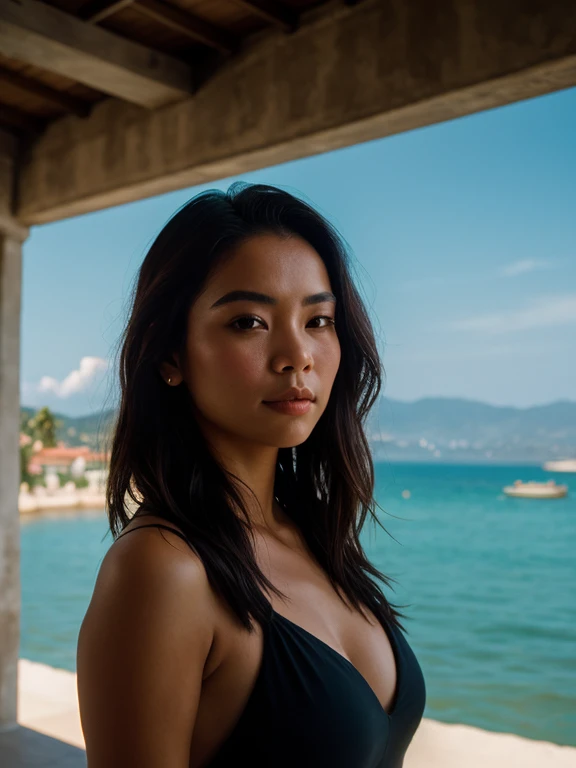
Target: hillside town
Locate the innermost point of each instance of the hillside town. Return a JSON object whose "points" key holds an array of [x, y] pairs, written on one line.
{"points": [[54, 475]]}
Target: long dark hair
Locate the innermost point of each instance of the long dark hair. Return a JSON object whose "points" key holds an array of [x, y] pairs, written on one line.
{"points": [[159, 457]]}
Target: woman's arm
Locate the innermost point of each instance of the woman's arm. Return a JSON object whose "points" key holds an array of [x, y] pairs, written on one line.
{"points": [[141, 653]]}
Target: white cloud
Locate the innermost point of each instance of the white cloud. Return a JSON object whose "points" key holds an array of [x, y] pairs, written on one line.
{"points": [[524, 265], [76, 381], [544, 312]]}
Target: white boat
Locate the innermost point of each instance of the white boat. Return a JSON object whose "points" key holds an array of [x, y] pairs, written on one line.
{"points": [[560, 465], [535, 490]]}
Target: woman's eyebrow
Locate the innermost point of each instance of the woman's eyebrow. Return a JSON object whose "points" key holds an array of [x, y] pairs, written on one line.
{"points": [[262, 298]]}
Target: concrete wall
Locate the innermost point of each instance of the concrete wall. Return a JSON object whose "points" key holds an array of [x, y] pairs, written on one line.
{"points": [[350, 74]]}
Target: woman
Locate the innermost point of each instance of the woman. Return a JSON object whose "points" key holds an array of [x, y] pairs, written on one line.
{"points": [[241, 625]]}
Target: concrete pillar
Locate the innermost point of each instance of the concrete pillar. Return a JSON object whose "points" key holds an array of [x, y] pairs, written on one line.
{"points": [[12, 236]]}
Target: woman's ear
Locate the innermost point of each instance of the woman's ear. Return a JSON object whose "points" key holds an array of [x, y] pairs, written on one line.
{"points": [[170, 371]]}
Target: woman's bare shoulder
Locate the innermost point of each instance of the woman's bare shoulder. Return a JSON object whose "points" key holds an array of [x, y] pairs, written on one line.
{"points": [[142, 649], [159, 560]]}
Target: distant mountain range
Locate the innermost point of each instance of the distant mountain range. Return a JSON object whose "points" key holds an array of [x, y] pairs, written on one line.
{"points": [[433, 429], [458, 430]]}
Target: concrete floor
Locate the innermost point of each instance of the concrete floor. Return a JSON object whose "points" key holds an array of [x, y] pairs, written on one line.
{"points": [[26, 748], [49, 733]]}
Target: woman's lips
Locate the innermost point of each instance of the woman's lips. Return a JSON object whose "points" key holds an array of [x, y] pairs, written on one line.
{"points": [[290, 407]]}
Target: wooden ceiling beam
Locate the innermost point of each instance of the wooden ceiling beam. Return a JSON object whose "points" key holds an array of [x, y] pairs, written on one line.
{"points": [[272, 12], [169, 16], [34, 88], [98, 10], [186, 24], [39, 34]]}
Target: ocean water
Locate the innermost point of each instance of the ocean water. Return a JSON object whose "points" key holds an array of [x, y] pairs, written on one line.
{"points": [[487, 583]]}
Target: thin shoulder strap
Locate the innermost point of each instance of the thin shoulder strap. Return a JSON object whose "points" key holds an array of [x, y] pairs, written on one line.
{"points": [[157, 525]]}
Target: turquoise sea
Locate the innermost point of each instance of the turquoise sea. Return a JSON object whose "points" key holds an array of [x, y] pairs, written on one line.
{"points": [[489, 585]]}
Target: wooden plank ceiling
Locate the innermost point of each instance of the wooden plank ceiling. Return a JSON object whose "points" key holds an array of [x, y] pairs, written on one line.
{"points": [[63, 56]]}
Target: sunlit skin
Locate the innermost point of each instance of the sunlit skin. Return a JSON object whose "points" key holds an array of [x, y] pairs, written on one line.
{"points": [[232, 367]]}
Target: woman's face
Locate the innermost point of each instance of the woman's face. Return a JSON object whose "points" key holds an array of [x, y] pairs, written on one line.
{"points": [[235, 362]]}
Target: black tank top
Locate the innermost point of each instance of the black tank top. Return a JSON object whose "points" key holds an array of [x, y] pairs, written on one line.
{"points": [[311, 708]]}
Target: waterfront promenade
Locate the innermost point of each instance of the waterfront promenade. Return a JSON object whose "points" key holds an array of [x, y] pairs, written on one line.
{"points": [[50, 734], [62, 499]]}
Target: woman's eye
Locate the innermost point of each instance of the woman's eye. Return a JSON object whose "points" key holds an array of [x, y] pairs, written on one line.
{"points": [[330, 320], [253, 318], [248, 318]]}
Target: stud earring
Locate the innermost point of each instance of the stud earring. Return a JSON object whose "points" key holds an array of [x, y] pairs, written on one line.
{"points": [[169, 380]]}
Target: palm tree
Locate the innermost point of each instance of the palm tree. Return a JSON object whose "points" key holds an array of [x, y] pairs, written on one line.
{"points": [[43, 426]]}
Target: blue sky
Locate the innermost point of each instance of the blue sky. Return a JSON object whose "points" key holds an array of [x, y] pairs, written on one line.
{"points": [[464, 236]]}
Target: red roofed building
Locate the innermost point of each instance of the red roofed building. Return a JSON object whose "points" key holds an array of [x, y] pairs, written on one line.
{"points": [[60, 458]]}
